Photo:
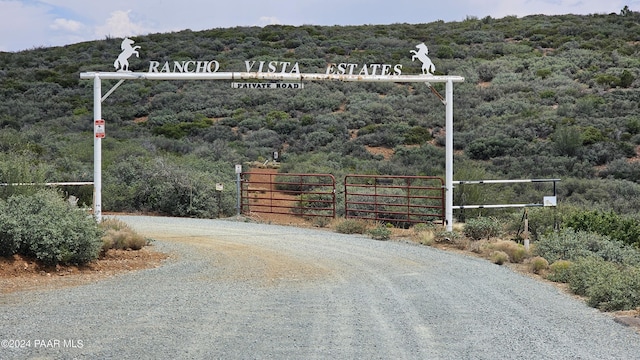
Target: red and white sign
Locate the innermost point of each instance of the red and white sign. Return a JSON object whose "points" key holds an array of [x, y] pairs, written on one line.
{"points": [[99, 129]]}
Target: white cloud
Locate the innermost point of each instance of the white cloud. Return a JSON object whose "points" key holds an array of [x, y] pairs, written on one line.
{"points": [[119, 24], [66, 25]]}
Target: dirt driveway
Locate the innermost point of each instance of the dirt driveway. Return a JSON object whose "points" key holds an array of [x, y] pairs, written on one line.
{"points": [[235, 290]]}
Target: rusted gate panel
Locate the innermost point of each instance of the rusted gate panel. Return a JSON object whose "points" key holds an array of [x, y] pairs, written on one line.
{"points": [[291, 194], [400, 200]]}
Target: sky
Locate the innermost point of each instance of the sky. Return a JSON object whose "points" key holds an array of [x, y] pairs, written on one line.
{"points": [[29, 24]]}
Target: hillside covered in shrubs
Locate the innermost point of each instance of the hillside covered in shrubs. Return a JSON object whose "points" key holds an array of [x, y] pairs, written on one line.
{"points": [[543, 97]]}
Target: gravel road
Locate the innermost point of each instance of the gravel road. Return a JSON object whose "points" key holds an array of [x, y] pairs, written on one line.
{"points": [[235, 290]]}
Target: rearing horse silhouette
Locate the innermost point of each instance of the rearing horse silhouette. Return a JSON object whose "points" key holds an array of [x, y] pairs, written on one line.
{"points": [[421, 54], [122, 62]]}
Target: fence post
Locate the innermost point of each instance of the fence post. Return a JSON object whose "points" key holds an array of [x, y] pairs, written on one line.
{"points": [[238, 172], [526, 229]]}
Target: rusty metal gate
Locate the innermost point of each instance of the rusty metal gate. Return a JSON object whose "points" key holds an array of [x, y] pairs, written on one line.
{"points": [[312, 195], [400, 200]]}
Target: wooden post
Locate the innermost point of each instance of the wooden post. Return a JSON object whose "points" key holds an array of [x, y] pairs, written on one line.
{"points": [[526, 229]]}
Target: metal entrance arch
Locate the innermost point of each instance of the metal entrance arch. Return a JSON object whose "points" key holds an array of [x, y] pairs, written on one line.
{"points": [[299, 77]]}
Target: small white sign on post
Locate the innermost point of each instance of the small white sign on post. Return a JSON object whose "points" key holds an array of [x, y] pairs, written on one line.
{"points": [[99, 129], [550, 201], [238, 169]]}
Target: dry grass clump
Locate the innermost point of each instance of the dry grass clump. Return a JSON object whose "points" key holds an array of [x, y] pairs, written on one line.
{"points": [[351, 226], [118, 235], [499, 257], [538, 264], [380, 232], [516, 252], [453, 239], [424, 234], [432, 234], [377, 230], [427, 237]]}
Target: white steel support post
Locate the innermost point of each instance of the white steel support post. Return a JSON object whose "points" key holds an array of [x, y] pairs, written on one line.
{"points": [[448, 212], [97, 149]]}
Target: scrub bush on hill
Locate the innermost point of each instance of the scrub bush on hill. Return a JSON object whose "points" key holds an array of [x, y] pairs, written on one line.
{"points": [[46, 227], [606, 271], [568, 244], [183, 186], [620, 196], [20, 168], [539, 100], [608, 286], [624, 229], [481, 228]]}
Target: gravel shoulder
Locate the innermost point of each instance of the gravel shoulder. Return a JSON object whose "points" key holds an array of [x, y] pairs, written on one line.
{"points": [[247, 291]]}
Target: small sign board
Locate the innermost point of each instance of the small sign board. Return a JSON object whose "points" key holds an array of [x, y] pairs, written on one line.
{"points": [[550, 201], [219, 186], [238, 169], [276, 85], [99, 129]]}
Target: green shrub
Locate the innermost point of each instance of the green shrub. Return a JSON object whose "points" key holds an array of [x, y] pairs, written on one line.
{"points": [[608, 286], [417, 135], [481, 228], [487, 148], [182, 186], [560, 271], [626, 79], [46, 227], [16, 167], [567, 141], [380, 232], [351, 226], [568, 244], [587, 271], [615, 226], [10, 238], [563, 245], [615, 289]]}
